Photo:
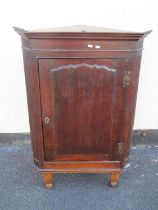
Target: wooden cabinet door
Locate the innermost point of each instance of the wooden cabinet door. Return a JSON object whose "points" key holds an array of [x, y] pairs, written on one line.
{"points": [[82, 107]]}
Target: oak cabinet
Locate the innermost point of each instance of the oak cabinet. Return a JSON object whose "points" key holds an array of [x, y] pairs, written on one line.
{"points": [[81, 88]]}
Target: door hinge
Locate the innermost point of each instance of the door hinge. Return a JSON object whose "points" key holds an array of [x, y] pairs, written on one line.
{"points": [[126, 79], [119, 148]]}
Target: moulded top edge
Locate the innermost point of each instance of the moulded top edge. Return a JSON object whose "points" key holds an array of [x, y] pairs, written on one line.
{"points": [[80, 32]]}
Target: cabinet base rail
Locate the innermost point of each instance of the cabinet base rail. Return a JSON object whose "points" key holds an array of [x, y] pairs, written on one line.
{"points": [[112, 168]]}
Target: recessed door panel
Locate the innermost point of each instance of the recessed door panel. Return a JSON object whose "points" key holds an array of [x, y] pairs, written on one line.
{"points": [[78, 98]]}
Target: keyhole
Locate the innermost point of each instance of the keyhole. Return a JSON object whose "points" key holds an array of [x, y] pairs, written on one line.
{"points": [[46, 120]]}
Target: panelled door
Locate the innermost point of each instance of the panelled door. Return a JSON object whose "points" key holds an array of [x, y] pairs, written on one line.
{"points": [[82, 105]]}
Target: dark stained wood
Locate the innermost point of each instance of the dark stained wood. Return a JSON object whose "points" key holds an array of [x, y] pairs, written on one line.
{"points": [[81, 91], [82, 166], [34, 107], [74, 94], [81, 157], [130, 104]]}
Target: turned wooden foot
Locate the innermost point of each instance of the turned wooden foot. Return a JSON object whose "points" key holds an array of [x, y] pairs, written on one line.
{"points": [[48, 178], [114, 178]]}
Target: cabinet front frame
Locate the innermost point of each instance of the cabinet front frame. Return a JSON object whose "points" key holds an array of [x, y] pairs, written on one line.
{"points": [[31, 56]]}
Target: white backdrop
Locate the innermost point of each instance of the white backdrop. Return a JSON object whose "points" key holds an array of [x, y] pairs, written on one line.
{"points": [[136, 15]]}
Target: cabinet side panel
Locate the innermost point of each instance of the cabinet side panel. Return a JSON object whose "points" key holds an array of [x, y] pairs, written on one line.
{"points": [[130, 104], [118, 110], [34, 108]]}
